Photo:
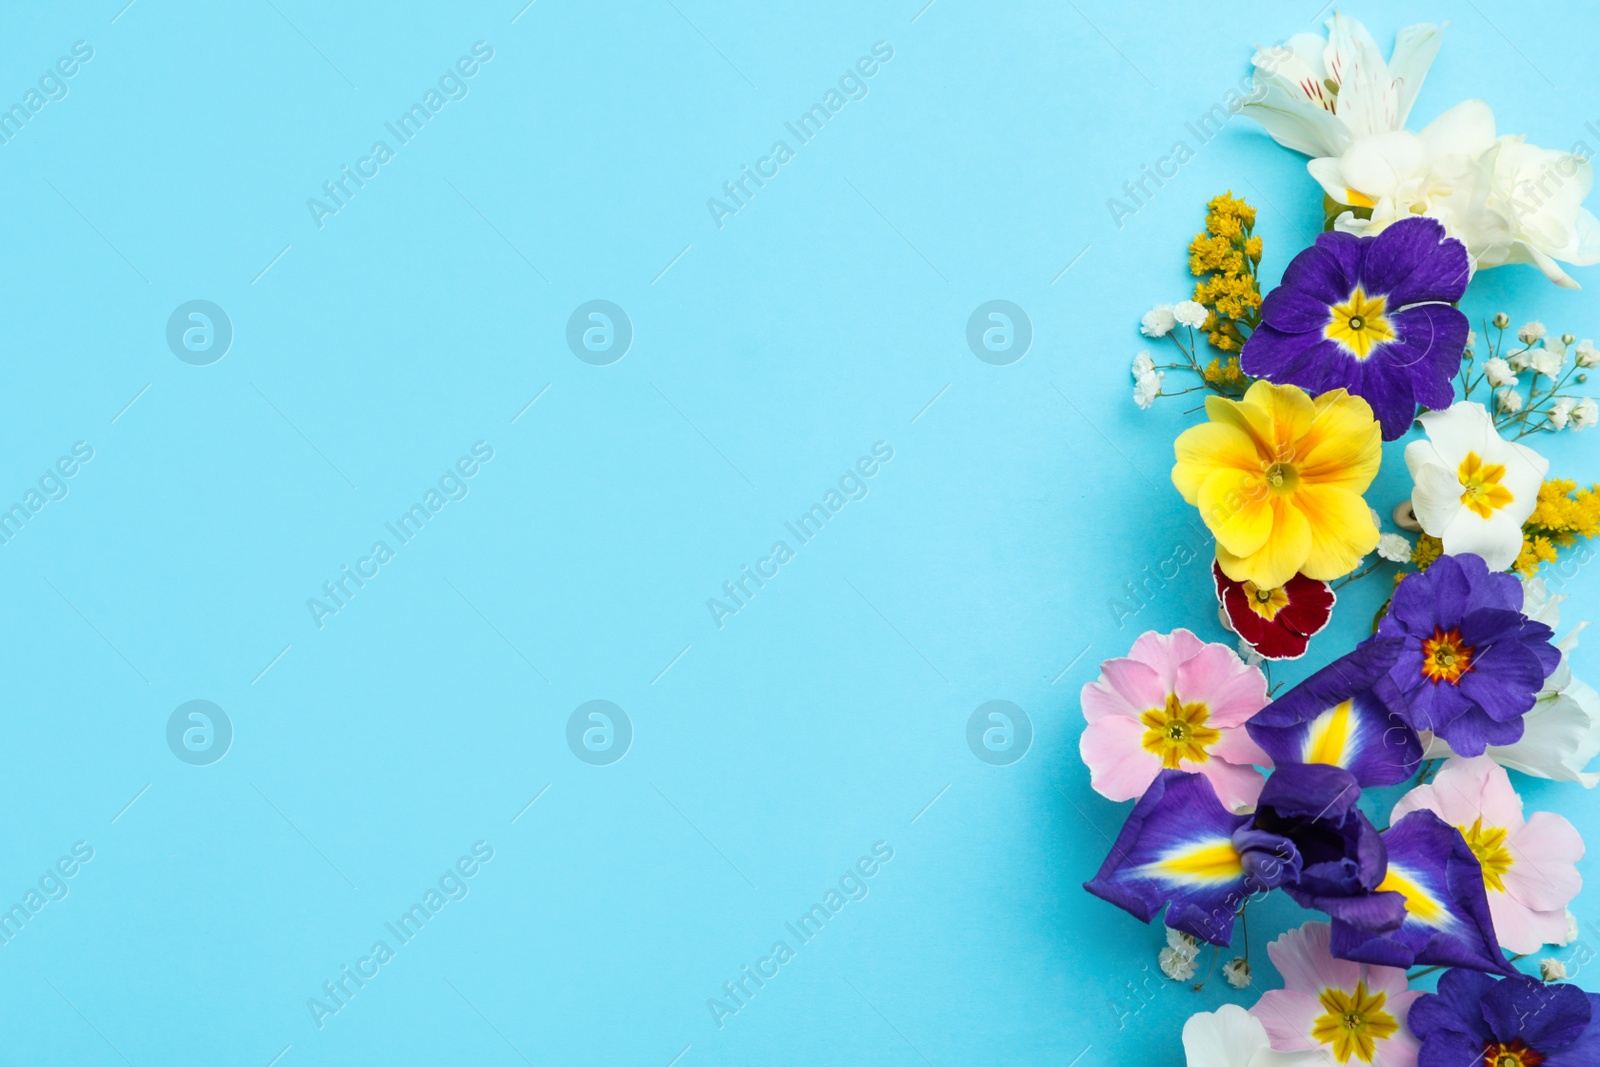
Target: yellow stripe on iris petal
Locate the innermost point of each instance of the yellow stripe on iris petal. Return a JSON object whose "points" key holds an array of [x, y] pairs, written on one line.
{"points": [[1215, 861], [1421, 905], [1330, 736]]}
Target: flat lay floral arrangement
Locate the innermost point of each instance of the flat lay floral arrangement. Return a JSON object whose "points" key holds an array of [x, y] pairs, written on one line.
{"points": [[1438, 909]]}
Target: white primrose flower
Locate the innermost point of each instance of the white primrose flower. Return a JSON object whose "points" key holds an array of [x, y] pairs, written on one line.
{"points": [[1561, 411], [1394, 548], [1316, 96], [1232, 1037], [1189, 313], [1585, 414], [1499, 372], [1586, 354], [1158, 321], [1508, 400], [1473, 490]]}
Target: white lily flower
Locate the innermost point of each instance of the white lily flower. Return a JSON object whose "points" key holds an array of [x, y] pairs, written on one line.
{"points": [[1438, 172], [1561, 734], [1232, 1037], [1473, 490], [1317, 96], [1506, 200], [1539, 193]]}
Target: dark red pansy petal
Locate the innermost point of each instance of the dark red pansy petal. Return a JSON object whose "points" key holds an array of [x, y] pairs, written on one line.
{"points": [[1287, 634], [1310, 605]]}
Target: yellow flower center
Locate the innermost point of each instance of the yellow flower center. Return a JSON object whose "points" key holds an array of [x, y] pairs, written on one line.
{"points": [[1354, 1023], [1516, 1054], [1282, 477], [1359, 324], [1445, 657], [1480, 486], [1488, 843], [1265, 602], [1179, 732]]}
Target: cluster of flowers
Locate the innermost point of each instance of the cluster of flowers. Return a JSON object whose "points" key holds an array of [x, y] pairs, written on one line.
{"points": [[1238, 793], [1543, 406]]}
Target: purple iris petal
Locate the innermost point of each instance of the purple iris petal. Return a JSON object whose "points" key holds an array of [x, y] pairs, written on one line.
{"points": [[1414, 344], [1509, 656], [1437, 877], [1472, 1013], [1342, 856], [1373, 741], [1144, 873]]}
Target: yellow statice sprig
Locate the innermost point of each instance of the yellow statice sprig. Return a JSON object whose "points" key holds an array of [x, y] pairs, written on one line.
{"points": [[1226, 306], [1564, 515], [1225, 258]]}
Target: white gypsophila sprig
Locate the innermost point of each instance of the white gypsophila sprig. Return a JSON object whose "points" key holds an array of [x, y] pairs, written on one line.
{"points": [[1541, 401]]}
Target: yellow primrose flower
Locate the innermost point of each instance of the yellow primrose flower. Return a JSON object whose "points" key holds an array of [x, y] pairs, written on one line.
{"points": [[1278, 479]]}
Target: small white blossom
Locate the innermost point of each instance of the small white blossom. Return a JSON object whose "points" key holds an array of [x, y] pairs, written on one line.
{"points": [[1394, 548], [1508, 400], [1561, 411], [1158, 321], [1546, 361], [1572, 920], [1237, 972], [1177, 959], [1531, 333], [1147, 388], [1586, 414], [1189, 313], [1472, 339], [1499, 372], [1178, 966], [1518, 361], [1587, 354], [1552, 970], [1142, 365], [1251, 657]]}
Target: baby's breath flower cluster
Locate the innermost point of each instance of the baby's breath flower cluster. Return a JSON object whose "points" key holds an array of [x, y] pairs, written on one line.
{"points": [[1525, 380]]}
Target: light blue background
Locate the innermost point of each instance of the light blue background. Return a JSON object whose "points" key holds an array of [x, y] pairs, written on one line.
{"points": [[768, 355]]}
